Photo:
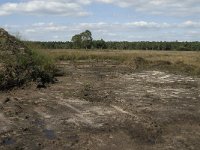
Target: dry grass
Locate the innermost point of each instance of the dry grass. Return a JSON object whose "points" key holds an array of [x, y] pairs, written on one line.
{"points": [[186, 62]]}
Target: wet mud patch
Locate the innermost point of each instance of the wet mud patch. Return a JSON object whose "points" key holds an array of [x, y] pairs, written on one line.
{"points": [[49, 134], [7, 141]]}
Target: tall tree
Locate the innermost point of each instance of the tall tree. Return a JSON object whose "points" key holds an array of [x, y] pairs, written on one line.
{"points": [[82, 40], [86, 38], [76, 39]]}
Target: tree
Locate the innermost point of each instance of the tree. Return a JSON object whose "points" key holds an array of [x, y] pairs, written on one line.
{"points": [[99, 44], [86, 38], [82, 40], [76, 39]]}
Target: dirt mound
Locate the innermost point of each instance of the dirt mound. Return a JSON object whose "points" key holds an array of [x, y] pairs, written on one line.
{"points": [[10, 44], [20, 65]]}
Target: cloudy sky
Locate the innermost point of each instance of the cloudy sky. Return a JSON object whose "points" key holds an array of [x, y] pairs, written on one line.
{"points": [[131, 20]]}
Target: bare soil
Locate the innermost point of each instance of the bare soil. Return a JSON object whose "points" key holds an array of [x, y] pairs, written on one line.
{"points": [[103, 106]]}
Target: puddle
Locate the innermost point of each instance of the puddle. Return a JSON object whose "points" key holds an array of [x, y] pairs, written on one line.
{"points": [[8, 141], [49, 134]]}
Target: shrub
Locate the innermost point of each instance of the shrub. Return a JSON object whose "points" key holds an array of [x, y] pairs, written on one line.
{"points": [[22, 68]]}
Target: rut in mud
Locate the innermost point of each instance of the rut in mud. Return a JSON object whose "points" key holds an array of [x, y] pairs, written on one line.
{"points": [[104, 107]]}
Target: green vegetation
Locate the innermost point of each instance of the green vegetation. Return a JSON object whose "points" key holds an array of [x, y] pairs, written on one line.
{"points": [[24, 68], [84, 40], [169, 46]]}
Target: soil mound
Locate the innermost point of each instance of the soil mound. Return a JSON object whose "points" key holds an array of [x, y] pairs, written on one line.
{"points": [[20, 65], [9, 44]]}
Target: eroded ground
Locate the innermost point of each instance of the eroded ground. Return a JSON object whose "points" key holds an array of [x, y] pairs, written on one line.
{"points": [[104, 107]]}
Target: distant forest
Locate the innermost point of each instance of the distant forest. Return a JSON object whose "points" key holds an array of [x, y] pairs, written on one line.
{"points": [[84, 40], [99, 44]]}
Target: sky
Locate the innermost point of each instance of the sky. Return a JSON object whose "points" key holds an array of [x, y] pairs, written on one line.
{"points": [[111, 20]]}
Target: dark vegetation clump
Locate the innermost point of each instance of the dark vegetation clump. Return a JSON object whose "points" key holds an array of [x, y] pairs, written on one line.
{"points": [[19, 65]]}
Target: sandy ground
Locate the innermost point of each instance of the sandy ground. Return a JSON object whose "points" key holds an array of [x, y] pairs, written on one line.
{"points": [[104, 107]]}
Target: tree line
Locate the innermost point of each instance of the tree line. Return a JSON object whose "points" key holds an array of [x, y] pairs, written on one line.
{"points": [[84, 40]]}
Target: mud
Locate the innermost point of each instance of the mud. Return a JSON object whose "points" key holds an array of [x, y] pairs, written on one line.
{"points": [[103, 107]]}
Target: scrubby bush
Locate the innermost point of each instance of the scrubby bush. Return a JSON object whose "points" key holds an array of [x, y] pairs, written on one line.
{"points": [[23, 68]]}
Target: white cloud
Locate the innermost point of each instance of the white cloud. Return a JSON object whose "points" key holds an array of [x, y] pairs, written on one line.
{"points": [[144, 24], [138, 30], [164, 7], [77, 7], [42, 7], [191, 24]]}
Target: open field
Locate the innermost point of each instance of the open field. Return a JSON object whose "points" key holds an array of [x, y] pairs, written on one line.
{"points": [[99, 75], [175, 61], [130, 100]]}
